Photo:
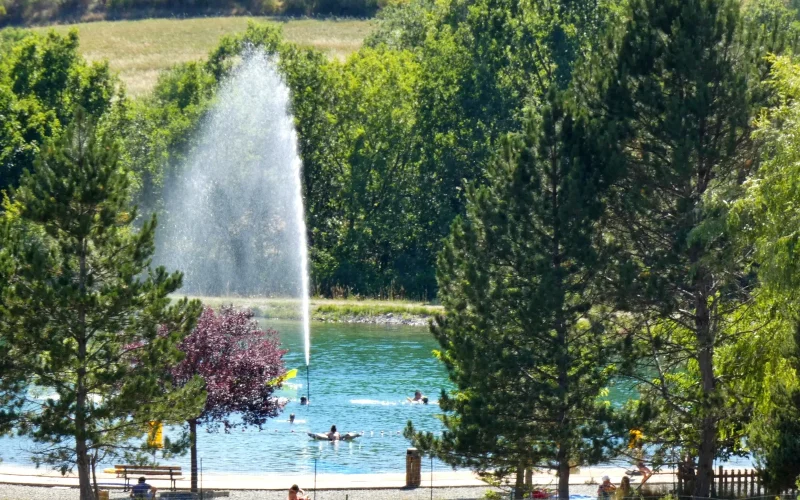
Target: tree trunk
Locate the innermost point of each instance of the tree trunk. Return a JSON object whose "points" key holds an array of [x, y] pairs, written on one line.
{"points": [[81, 393], [519, 488], [562, 341], [705, 361], [84, 469], [563, 473], [94, 475], [529, 479], [193, 453]]}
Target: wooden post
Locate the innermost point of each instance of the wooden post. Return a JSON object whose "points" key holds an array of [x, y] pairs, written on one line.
{"points": [[725, 476], [413, 468], [739, 483], [758, 487], [720, 481], [746, 477]]}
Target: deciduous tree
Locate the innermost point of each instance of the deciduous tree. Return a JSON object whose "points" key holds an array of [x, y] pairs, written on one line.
{"points": [[237, 363], [768, 223], [43, 79]]}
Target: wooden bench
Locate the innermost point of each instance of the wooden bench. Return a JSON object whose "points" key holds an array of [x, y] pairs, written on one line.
{"points": [[128, 472]]}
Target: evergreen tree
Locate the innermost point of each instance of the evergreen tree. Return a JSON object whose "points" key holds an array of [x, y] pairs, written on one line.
{"points": [[524, 338], [679, 103], [84, 315]]}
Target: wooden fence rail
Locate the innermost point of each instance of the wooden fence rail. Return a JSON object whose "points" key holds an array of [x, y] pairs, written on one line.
{"points": [[734, 483]]}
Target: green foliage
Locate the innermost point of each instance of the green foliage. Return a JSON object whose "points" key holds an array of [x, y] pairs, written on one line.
{"points": [[774, 434], [679, 102], [373, 232], [768, 222], [43, 80], [473, 86], [84, 316], [767, 213], [525, 337]]}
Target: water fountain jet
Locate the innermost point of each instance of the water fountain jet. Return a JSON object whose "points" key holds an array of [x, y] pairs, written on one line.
{"points": [[234, 215]]}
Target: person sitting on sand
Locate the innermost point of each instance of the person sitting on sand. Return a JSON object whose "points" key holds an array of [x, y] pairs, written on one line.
{"points": [[333, 435], [624, 490], [295, 493], [606, 489]]}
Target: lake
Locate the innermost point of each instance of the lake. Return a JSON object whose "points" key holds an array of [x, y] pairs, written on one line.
{"points": [[360, 376]]}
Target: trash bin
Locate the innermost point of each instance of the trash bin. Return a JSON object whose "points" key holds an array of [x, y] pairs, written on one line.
{"points": [[413, 468]]}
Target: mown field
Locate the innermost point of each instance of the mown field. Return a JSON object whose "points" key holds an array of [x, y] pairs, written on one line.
{"points": [[140, 50]]}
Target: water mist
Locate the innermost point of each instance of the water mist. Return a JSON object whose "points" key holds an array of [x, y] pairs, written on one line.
{"points": [[234, 218]]}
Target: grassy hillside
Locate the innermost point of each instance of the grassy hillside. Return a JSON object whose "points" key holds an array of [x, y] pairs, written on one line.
{"points": [[139, 50]]}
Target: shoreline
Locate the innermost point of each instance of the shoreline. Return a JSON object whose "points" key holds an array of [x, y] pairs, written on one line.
{"points": [[346, 311], [276, 481]]}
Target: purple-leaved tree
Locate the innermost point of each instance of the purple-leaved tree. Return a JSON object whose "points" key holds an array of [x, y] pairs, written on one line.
{"points": [[239, 363]]}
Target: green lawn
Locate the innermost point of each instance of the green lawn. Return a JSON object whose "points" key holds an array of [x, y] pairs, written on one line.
{"points": [[140, 50]]}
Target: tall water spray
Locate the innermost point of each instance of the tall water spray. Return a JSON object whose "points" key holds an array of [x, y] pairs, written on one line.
{"points": [[233, 217]]}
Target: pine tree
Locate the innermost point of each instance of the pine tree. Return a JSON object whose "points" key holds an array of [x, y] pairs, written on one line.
{"points": [[85, 316], [679, 102], [524, 338]]}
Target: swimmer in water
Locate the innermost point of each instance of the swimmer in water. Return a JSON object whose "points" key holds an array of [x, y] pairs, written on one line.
{"points": [[303, 400], [418, 398], [291, 418], [333, 435]]}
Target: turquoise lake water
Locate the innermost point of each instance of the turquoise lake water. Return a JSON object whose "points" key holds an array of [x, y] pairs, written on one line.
{"points": [[360, 376]]}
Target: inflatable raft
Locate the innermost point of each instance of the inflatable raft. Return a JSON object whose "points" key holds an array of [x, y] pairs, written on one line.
{"points": [[345, 436]]}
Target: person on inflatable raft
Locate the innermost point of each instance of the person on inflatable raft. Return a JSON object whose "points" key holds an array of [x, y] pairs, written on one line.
{"points": [[333, 435]]}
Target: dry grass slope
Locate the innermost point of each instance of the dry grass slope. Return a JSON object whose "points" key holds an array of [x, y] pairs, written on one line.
{"points": [[140, 50]]}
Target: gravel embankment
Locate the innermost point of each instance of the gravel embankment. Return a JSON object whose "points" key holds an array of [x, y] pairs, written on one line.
{"points": [[385, 319], [12, 492]]}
